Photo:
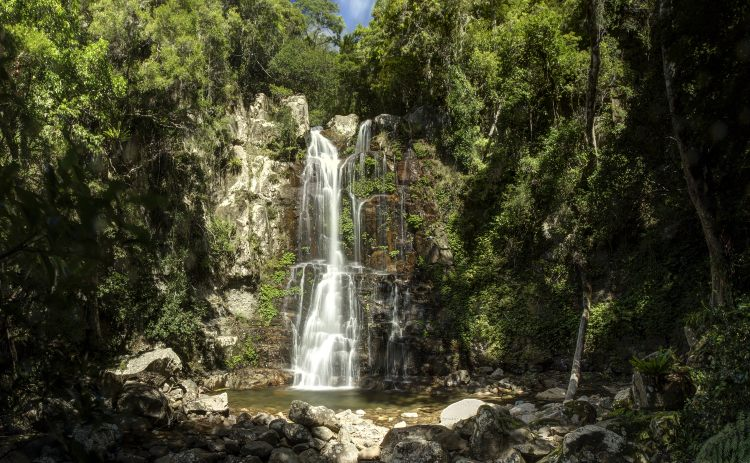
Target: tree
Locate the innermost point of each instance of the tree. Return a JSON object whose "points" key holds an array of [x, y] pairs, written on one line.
{"points": [[324, 24]]}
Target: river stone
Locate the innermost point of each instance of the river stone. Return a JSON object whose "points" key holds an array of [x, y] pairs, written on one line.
{"points": [[259, 449], [491, 436], [209, 404], [308, 415], [311, 456], [146, 401], [458, 411], [337, 452], [322, 433], [296, 433], [277, 425], [416, 451], [592, 444], [447, 439], [283, 455], [552, 395]]}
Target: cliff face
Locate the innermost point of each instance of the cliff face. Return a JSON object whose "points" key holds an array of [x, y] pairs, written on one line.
{"points": [[404, 203]]}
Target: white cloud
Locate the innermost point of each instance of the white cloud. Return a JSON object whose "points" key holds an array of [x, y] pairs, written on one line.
{"points": [[356, 11]]}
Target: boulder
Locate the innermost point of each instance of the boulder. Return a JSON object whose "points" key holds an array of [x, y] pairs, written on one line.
{"points": [[458, 411], [416, 451], [308, 415], [257, 378], [446, 439], [497, 374], [343, 128], [97, 440], [322, 433], [205, 404], [458, 378], [552, 395], [296, 433], [623, 399], [215, 381], [579, 412], [146, 401], [660, 392], [311, 456], [491, 437], [153, 367], [591, 444]]}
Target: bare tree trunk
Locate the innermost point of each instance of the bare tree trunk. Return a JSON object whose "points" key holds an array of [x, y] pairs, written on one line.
{"points": [[575, 370], [698, 189], [595, 31]]}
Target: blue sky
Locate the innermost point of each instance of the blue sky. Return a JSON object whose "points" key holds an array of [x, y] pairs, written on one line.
{"points": [[355, 12]]}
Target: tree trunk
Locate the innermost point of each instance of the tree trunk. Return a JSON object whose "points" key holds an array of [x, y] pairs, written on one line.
{"points": [[695, 173], [595, 32], [575, 370]]}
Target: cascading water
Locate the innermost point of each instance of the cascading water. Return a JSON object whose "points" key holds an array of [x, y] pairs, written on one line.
{"points": [[329, 321], [326, 339]]}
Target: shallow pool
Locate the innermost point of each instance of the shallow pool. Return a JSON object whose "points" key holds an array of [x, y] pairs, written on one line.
{"points": [[383, 407]]}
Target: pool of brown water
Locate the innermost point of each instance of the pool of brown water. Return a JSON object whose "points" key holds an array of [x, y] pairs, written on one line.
{"points": [[383, 407]]}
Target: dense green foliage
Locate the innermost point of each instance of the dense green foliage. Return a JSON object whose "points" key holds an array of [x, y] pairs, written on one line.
{"points": [[113, 124], [730, 445]]}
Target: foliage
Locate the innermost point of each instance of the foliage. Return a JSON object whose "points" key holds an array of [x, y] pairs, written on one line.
{"points": [[659, 363], [730, 445], [247, 357], [221, 241], [273, 287]]}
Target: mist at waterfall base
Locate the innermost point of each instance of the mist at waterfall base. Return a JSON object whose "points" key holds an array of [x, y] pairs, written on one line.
{"points": [[328, 324]]}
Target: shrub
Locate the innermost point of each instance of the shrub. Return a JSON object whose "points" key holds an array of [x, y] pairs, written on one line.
{"points": [[730, 445], [659, 363]]}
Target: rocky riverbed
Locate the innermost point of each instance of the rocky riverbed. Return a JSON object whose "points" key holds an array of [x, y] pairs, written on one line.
{"points": [[147, 411]]}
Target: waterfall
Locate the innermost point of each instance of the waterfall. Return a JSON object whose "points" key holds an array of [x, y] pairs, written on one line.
{"points": [[334, 262], [327, 337]]}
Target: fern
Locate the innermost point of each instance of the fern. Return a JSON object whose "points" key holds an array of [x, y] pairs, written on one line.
{"points": [[730, 445], [657, 364]]}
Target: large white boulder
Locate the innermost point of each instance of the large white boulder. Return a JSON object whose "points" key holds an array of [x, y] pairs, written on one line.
{"points": [[458, 411]]}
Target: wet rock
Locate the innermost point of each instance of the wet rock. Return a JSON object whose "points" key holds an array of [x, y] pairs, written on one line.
{"points": [[296, 433], [146, 401], [258, 449], [308, 415], [97, 440], [283, 455], [552, 394], [205, 404], [458, 411]]}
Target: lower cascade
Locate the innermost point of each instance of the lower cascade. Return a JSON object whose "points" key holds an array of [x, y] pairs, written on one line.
{"points": [[343, 270]]}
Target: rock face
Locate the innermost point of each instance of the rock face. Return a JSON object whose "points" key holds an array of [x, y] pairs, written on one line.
{"points": [[257, 378], [458, 411], [298, 106], [343, 128]]}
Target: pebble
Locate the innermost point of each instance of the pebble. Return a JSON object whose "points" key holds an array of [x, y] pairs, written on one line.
{"points": [[409, 415], [360, 412]]}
